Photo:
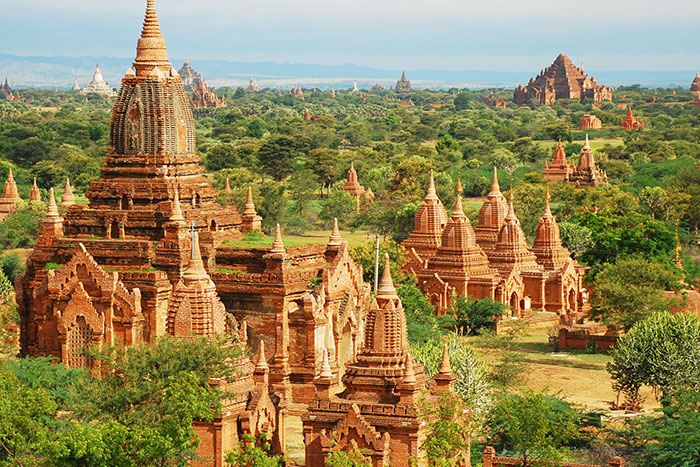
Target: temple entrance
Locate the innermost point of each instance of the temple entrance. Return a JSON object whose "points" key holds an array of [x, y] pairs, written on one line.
{"points": [[515, 304], [124, 202], [78, 340], [212, 226], [114, 230], [572, 300]]}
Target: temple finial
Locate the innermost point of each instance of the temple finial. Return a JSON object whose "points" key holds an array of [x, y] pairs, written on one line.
{"points": [[335, 239], [495, 187], [278, 244], [409, 372], [445, 367], [52, 208], [151, 51], [261, 365], [326, 371], [386, 284]]}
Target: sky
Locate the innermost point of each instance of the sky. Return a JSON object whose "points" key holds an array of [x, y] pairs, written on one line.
{"points": [[498, 35]]}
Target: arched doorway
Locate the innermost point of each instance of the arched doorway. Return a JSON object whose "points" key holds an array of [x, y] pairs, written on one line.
{"points": [[212, 226], [515, 304], [572, 305], [124, 203], [114, 230]]}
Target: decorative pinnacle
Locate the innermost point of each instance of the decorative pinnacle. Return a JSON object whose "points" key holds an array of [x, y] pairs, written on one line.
{"points": [[587, 145], [278, 244], [431, 187], [458, 211], [10, 177], [445, 367], [495, 187], [386, 284], [459, 188], [326, 371], [261, 365], [176, 214], [227, 187], [547, 197], [52, 208], [409, 373], [249, 208], [335, 239], [150, 49]]}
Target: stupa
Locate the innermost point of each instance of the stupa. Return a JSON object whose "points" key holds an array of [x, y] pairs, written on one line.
{"points": [[403, 85], [203, 97], [586, 173], [426, 238], [5, 89], [98, 85], [35, 194], [76, 86], [558, 169], [694, 86], [353, 187], [630, 122], [10, 197], [189, 77], [376, 411], [354, 89], [253, 85], [561, 80], [491, 216]]}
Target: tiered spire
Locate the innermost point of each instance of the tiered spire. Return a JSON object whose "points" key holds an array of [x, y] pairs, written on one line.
{"points": [[547, 247], [151, 50], [195, 275], [67, 198], [335, 238], [227, 186], [10, 192], [278, 244], [511, 249], [491, 216], [176, 214], [250, 220], [52, 223], [35, 194]]}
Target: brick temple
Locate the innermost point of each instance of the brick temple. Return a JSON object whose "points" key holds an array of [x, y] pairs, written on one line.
{"points": [[204, 98], [493, 260], [149, 255], [561, 80], [586, 173], [630, 122]]}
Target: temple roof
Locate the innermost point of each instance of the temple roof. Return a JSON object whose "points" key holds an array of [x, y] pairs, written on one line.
{"points": [[151, 50]]}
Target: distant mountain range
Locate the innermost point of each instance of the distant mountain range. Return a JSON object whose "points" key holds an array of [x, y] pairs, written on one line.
{"points": [[61, 71]]}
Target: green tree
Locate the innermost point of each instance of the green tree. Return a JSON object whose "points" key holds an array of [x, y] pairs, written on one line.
{"points": [[253, 453], [537, 427], [578, 239], [654, 198], [662, 351], [449, 431], [278, 154], [340, 204], [630, 290], [472, 315]]}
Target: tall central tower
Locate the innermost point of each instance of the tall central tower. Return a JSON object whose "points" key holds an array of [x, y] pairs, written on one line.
{"points": [[152, 155]]}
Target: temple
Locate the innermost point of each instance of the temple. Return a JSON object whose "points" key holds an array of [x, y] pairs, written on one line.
{"points": [[493, 260], [590, 122], [10, 197], [76, 86], [189, 77], [253, 85], [561, 80], [376, 412], [559, 169], [204, 98], [403, 85], [694, 86], [630, 122], [586, 173], [98, 85], [5, 89], [353, 187], [149, 255], [354, 89]]}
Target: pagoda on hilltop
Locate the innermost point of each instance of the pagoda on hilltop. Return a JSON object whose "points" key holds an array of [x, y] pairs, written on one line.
{"points": [[561, 80], [694, 86], [558, 169], [586, 173], [5, 89], [204, 98], [253, 85], [630, 122], [189, 77], [403, 85], [98, 85]]}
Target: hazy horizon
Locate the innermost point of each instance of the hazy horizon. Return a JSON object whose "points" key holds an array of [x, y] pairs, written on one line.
{"points": [[503, 35]]}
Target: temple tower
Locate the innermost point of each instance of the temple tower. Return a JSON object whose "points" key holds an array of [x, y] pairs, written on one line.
{"points": [[558, 169], [586, 173], [10, 197], [491, 216]]}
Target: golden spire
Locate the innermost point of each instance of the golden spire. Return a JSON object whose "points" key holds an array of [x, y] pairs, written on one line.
{"points": [[459, 188], [547, 198], [150, 50]]}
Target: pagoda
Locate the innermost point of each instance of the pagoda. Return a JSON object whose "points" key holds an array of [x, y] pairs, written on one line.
{"points": [[403, 85], [35, 193], [563, 275], [189, 77], [76, 86], [354, 89], [459, 267], [5, 89], [430, 221], [10, 197], [586, 173], [590, 122], [491, 216], [98, 85], [376, 411], [694, 86], [353, 187], [558, 169], [561, 80], [630, 122], [204, 98], [253, 85]]}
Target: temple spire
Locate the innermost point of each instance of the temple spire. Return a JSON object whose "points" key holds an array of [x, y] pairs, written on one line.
{"points": [[386, 284], [495, 187], [547, 197], [261, 365], [587, 144], [278, 244], [335, 239], [151, 50], [326, 371], [445, 367], [176, 214], [409, 373], [52, 208], [458, 211], [195, 272], [67, 198], [35, 194], [431, 187]]}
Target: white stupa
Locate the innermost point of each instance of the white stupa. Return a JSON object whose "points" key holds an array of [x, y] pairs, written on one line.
{"points": [[98, 85], [354, 87], [253, 86], [76, 86]]}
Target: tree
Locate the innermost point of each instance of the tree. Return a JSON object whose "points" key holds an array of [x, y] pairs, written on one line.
{"points": [[253, 453], [472, 315], [630, 290], [278, 154], [340, 204], [654, 198], [662, 351], [576, 238], [535, 426], [326, 165], [449, 430]]}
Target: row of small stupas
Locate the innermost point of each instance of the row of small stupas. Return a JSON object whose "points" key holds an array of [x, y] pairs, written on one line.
{"points": [[561, 80], [10, 196], [449, 257], [584, 174], [148, 256]]}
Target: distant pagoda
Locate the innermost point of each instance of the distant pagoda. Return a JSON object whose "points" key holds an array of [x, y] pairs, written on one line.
{"points": [[98, 85], [5, 89], [253, 85], [403, 85], [694, 86], [586, 173], [190, 78], [561, 80], [203, 97], [76, 86]]}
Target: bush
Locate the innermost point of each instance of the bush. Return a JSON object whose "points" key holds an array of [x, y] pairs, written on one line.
{"points": [[472, 315]]}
